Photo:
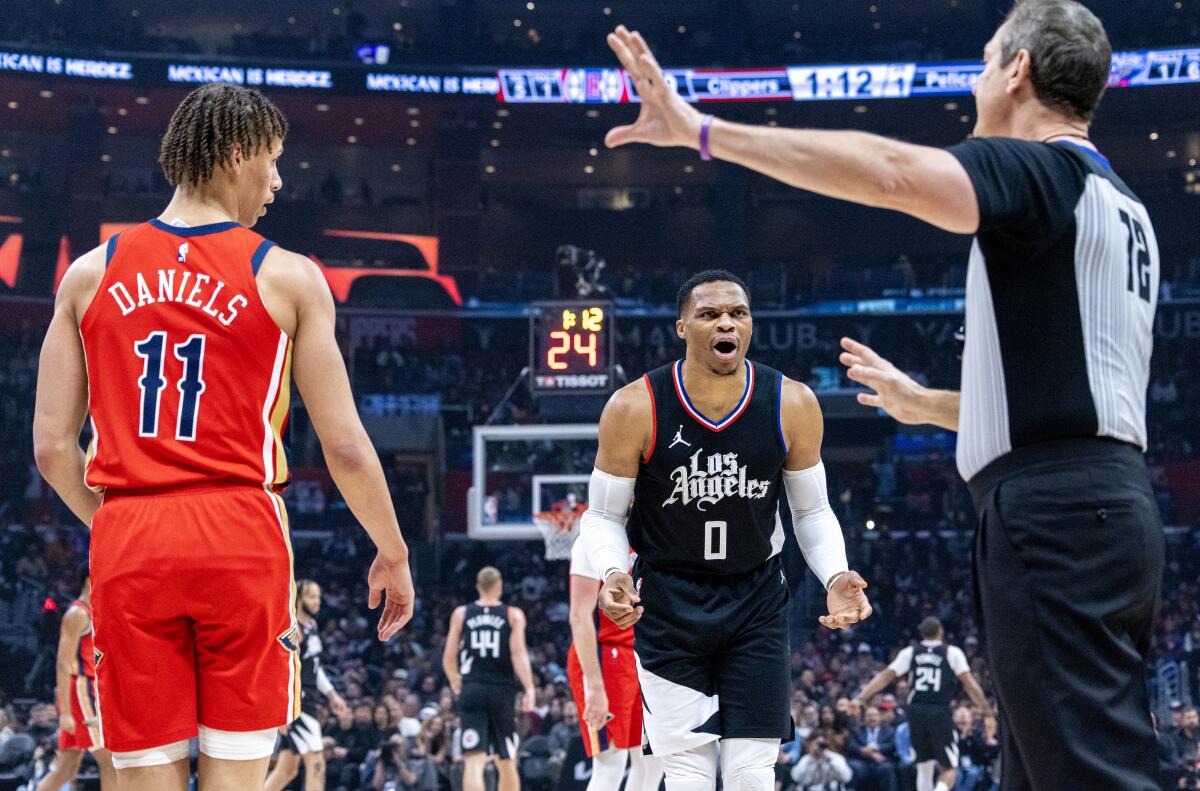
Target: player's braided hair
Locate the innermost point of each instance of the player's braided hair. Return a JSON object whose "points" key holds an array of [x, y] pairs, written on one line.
{"points": [[206, 125]]}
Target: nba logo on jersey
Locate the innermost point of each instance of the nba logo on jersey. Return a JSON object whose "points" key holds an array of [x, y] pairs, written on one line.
{"points": [[291, 638], [183, 251]]}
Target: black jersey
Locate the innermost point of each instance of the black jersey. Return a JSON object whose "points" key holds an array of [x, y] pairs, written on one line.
{"points": [[930, 677], [706, 501], [483, 653], [310, 665]]}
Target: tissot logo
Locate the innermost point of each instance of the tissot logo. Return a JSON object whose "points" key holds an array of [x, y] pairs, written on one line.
{"points": [[712, 479]]}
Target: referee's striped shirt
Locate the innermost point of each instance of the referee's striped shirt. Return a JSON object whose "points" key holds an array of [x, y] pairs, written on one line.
{"points": [[1061, 290]]}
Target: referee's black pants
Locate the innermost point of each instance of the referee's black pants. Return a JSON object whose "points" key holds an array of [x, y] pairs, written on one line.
{"points": [[1068, 564]]}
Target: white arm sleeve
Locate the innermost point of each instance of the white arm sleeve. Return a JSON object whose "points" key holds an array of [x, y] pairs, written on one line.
{"points": [[903, 661], [602, 527], [817, 529], [324, 685], [957, 660]]}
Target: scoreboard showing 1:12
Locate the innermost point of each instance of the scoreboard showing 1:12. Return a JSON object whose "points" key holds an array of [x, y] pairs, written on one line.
{"points": [[570, 348]]}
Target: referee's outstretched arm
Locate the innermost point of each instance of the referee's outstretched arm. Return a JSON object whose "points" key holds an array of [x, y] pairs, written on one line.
{"points": [[895, 391], [927, 183]]}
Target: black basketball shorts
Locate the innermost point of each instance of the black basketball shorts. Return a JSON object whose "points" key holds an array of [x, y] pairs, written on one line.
{"points": [[488, 720], [712, 655], [931, 728]]}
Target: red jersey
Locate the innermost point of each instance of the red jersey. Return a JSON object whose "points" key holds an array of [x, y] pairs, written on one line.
{"points": [[188, 374], [85, 658]]}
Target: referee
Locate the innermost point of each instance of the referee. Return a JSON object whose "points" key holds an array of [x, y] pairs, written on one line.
{"points": [[1061, 290]]}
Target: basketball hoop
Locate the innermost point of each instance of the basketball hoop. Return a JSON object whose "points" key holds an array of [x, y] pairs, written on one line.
{"points": [[559, 529]]}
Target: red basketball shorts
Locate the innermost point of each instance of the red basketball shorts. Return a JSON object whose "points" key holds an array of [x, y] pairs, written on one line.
{"points": [[83, 709], [624, 730], [192, 596]]}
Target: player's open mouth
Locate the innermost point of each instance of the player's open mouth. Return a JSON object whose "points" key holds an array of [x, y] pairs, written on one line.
{"points": [[725, 349]]}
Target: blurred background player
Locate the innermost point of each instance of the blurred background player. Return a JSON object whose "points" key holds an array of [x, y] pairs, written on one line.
{"points": [[78, 718], [603, 675], [485, 649], [302, 739], [702, 450], [933, 670], [180, 337]]}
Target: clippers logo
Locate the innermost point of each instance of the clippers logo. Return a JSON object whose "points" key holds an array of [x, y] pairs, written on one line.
{"points": [[470, 739], [291, 638], [717, 477], [679, 440], [97, 656], [183, 251]]}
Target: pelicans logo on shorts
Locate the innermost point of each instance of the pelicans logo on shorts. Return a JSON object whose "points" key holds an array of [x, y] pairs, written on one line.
{"points": [[291, 638]]}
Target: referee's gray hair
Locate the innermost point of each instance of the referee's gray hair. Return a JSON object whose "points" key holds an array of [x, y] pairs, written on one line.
{"points": [[1069, 53]]}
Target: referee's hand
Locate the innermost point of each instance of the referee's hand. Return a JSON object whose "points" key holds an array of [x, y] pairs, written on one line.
{"points": [[619, 599], [895, 392], [664, 119]]}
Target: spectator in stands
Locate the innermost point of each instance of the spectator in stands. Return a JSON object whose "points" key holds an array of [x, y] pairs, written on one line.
{"points": [[821, 768], [1170, 766], [410, 723], [566, 731], [1187, 740], [397, 769], [872, 753]]}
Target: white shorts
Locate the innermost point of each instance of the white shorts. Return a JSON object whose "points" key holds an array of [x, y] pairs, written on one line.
{"points": [[304, 735]]}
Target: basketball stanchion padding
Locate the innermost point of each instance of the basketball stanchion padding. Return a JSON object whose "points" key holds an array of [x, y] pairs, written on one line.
{"points": [[559, 530]]}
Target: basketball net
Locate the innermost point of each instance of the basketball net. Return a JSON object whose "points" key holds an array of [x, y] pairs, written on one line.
{"points": [[559, 529]]}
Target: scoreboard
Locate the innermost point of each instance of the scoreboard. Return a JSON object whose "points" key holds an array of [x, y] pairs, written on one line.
{"points": [[570, 347], [856, 82]]}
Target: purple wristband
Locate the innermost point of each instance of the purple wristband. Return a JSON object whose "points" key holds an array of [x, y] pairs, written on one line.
{"points": [[705, 125]]}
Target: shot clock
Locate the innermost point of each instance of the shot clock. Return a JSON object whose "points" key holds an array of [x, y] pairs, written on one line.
{"points": [[571, 348]]}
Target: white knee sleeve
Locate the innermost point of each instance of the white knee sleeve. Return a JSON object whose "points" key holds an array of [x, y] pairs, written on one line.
{"points": [[608, 769], [645, 771], [237, 745], [692, 770], [154, 756], [749, 764]]}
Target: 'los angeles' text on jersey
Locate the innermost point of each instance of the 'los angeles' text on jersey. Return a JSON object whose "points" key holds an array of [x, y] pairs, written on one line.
{"points": [[706, 498]]}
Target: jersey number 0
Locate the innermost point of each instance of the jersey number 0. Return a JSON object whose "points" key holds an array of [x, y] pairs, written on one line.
{"points": [[151, 383]]}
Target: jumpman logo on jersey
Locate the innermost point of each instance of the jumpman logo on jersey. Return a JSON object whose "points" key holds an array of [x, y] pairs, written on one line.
{"points": [[183, 251], [679, 440]]}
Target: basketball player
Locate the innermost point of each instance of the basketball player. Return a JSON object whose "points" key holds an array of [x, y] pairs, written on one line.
{"points": [[931, 668], [604, 683], [1061, 289], [78, 720], [180, 336], [302, 740], [704, 448], [485, 647]]}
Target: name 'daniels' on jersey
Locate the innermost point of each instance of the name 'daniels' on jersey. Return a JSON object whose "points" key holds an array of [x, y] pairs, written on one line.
{"points": [[720, 476], [200, 292]]}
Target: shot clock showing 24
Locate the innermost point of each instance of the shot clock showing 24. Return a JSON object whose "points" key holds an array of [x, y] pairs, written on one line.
{"points": [[570, 348]]}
